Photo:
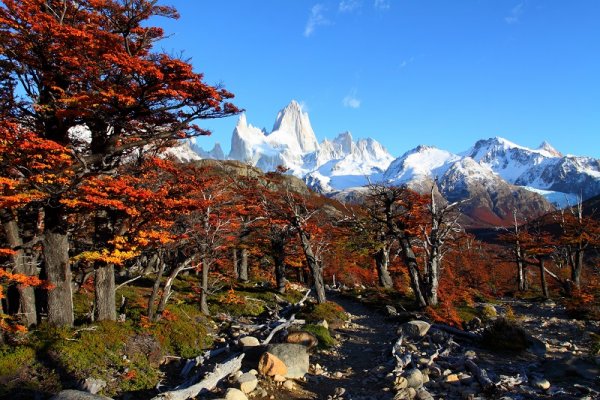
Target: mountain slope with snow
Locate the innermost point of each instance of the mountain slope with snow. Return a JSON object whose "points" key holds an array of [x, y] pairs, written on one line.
{"points": [[496, 170]]}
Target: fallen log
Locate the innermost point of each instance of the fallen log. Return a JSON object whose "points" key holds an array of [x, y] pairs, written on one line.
{"points": [[197, 361], [209, 382], [481, 375], [284, 325], [457, 332]]}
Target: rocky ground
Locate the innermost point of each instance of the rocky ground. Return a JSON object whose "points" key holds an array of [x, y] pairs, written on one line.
{"points": [[385, 357]]}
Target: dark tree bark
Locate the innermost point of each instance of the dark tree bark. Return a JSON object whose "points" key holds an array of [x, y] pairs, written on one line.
{"points": [[278, 253], [243, 268], [57, 267], [543, 281], [314, 265], [410, 259], [382, 260], [155, 289], [235, 261], [26, 294]]}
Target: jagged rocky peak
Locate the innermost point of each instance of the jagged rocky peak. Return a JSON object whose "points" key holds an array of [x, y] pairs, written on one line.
{"points": [[346, 141], [548, 148], [292, 127]]}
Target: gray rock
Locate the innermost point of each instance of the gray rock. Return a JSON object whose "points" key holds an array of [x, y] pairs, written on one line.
{"points": [[414, 329], [249, 341], [414, 377], [77, 395], [294, 356], [423, 394], [235, 394], [93, 385], [289, 385], [248, 382]]}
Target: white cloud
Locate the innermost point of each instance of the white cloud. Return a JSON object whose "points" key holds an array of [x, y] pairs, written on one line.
{"points": [[351, 101], [381, 4], [515, 14], [406, 62], [316, 18], [348, 5]]}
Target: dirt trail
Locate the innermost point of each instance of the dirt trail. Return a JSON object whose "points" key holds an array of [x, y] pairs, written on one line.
{"points": [[357, 369]]}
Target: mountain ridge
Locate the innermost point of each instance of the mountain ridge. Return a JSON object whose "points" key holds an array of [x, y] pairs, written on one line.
{"points": [[343, 164]]}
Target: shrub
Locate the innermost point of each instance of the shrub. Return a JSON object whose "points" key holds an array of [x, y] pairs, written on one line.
{"points": [[505, 335]]}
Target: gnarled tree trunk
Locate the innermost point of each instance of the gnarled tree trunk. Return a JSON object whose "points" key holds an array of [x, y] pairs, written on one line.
{"points": [[314, 266], [278, 253], [26, 306], [243, 267], [382, 260]]}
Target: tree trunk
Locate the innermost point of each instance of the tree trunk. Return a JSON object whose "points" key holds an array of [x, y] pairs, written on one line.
{"points": [[204, 296], [433, 279], [155, 289], [244, 265], [521, 277], [58, 273], [278, 253], [543, 280], [26, 294], [104, 294], [413, 270], [382, 260], [314, 266], [166, 294], [235, 261], [576, 268]]}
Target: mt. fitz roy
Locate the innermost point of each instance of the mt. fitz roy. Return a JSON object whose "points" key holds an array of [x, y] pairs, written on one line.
{"points": [[496, 174]]}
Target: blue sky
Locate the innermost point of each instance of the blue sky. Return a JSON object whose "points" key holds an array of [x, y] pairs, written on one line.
{"points": [[404, 72]]}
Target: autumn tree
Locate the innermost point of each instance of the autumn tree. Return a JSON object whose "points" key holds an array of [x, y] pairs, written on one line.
{"points": [[92, 64]]}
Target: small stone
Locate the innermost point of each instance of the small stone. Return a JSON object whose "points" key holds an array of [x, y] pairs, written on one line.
{"points": [[452, 378], [540, 383], [391, 311], [235, 394], [248, 382], [470, 354], [279, 378], [338, 375], [289, 385], [401, 383], [323, 323], [253, 372], [249, 341]]}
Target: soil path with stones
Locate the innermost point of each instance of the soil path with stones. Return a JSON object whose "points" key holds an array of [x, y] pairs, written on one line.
{"points": [[359, 367]]}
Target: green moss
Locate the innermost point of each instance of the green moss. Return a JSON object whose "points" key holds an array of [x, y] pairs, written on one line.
{"points": [[329, 311], [322, 334], [21, 372], [466, 313], [183, 331]]}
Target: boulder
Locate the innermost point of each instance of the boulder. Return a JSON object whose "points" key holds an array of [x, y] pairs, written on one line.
{"points": [[414, 329], [304, 338], [294, 356], [540, 383], [248, 382], [271, 365], [77, 395], [423, 394], [235, 394]]}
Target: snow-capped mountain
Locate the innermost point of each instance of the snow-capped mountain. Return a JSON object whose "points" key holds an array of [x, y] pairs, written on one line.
{"points": [[502, 175], [327, 166]]}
